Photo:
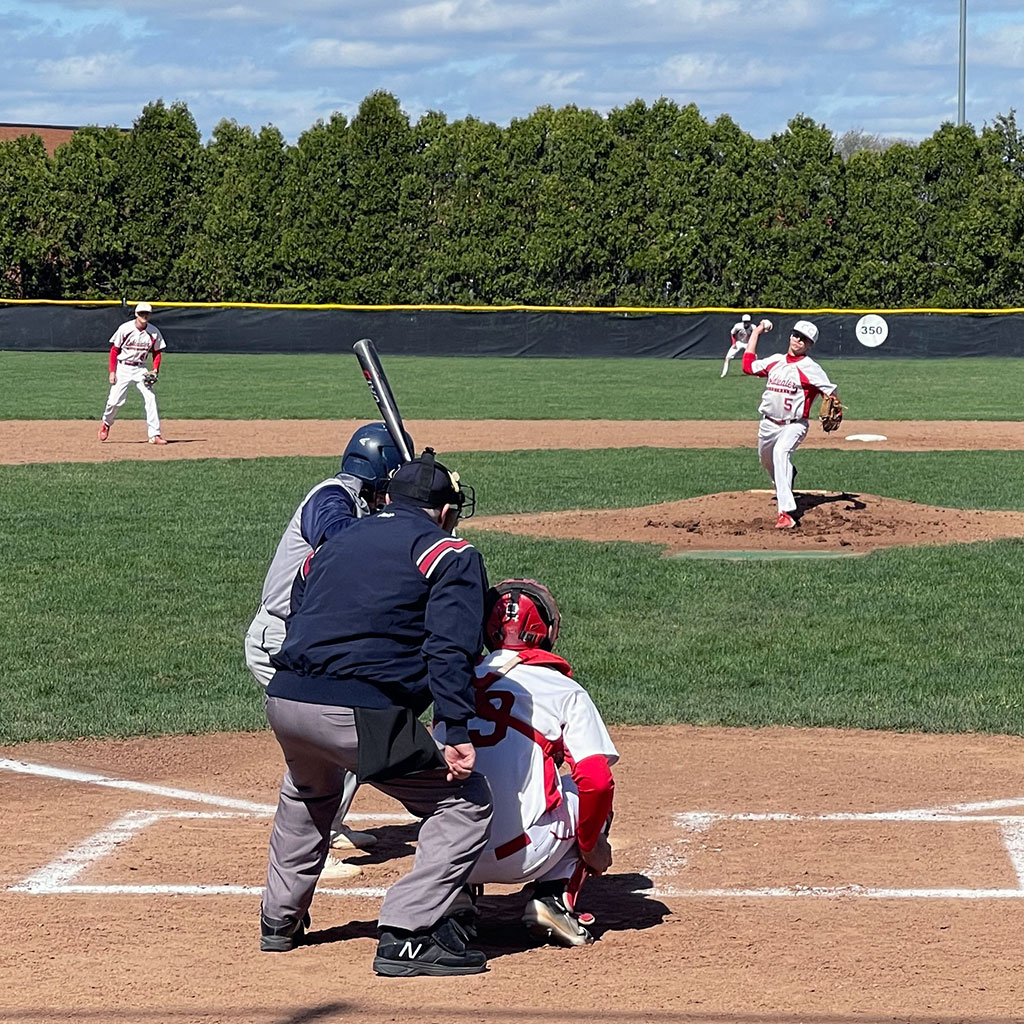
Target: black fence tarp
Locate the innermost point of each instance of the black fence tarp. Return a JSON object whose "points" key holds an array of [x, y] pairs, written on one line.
{"points": [[511, 332]]}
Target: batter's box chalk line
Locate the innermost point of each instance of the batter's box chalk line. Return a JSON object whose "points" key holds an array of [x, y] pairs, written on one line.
{"points": [[669, 862], [61, 874]]}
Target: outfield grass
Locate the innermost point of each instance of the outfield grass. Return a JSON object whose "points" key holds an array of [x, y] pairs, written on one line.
{"points": [[128, 588], [73, 385]]}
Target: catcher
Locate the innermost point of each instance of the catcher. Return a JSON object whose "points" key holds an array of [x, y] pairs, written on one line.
{"points": [[794, 381], [548, 830]]}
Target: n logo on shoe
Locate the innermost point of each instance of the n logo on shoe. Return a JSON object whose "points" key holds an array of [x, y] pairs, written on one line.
{"points": [[407, 949]]}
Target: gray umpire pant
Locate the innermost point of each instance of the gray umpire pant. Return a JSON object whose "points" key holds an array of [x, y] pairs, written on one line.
{"points": [[320, 744]]}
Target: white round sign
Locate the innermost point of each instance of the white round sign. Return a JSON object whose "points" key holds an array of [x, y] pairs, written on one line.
{"points": [[872, 330]]}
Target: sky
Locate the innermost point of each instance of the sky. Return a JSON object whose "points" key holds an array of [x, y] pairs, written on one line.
{"points": [[883, 68]]}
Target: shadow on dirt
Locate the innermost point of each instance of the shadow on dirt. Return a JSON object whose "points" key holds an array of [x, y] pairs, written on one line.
{"points": [[805, 502], [616, 901]]}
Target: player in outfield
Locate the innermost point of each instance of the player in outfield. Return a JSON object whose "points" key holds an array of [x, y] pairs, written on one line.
{"points": [[130, 348]]}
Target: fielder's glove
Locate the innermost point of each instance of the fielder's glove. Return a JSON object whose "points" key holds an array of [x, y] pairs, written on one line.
{"points": [[149, 379], [830, 413]]}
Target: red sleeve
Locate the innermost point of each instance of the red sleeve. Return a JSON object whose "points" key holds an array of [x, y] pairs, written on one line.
{"points": [[593, 778], [113, 358], [748, 362], [157, 356]]}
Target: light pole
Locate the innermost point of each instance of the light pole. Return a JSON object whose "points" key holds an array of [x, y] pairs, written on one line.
{"points": [[963, 63]]}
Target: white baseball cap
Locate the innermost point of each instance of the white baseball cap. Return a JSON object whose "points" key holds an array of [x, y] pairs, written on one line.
{"points": [[745, 318], [143, 307], [807, 329]]}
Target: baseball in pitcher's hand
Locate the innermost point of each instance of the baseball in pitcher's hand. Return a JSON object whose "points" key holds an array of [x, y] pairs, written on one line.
{"points": [[460, 759], [598, 859]]}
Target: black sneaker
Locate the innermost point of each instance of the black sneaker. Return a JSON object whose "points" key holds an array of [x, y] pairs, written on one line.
{"points": [[548, 918], [438, 953], [281, 936]]}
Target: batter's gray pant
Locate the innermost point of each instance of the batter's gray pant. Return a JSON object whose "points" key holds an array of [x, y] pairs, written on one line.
{"points": [[265, 637], [320, 743]]}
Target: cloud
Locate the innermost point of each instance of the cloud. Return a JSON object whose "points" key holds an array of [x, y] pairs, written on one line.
{"points": [[336, 53]]}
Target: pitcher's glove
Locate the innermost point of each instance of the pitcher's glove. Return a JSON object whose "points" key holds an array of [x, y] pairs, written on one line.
{"points": [[149, 379], [830, 413]]}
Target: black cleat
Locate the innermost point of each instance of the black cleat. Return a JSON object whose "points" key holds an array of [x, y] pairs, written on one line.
{"points": [[548, 918], [281, 936]]}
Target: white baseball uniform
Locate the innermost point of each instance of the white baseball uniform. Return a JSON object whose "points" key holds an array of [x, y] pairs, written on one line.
{"points": [[738, 336], [133, 349], [793, 384], [530, 718]]}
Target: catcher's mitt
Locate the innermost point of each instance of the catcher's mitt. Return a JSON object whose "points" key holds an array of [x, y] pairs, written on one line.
{"points": [[149, 379], [830, 413]]}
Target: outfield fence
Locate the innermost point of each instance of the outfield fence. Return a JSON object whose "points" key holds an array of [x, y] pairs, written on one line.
{"points": [[559, 332]]}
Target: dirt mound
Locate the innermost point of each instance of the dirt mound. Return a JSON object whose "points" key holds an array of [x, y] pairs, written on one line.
{"points": [[745, 520]]}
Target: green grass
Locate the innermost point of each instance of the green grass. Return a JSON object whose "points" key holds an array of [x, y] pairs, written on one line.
{"points": [[73, 385], [128, 588]]}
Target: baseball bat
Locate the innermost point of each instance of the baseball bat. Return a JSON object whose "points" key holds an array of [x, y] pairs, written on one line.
{"points": [[383, 396]]}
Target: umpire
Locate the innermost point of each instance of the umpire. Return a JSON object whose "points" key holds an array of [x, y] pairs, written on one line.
{"points": [[389, 618]]}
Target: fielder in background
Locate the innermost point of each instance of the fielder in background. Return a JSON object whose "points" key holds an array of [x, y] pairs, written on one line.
{"points": [[331, 506], [549, 829], [130, 347], [737, 341], [794, 381], [389, 618]]}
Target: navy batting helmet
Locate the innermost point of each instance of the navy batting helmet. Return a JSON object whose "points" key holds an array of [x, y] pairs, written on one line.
{"points": [[521, 614], [371, 456]]}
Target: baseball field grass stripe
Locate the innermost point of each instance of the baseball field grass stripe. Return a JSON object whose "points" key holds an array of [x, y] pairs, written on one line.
{"points": [[72, 385], [921, 633]]}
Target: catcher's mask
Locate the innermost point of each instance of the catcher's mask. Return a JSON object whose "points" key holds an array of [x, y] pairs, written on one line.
{"points": [[520, 614], [426, 483], [372, 457]]}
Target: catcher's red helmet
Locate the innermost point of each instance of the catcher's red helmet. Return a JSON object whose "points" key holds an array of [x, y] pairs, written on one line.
{"points": [[521, 614]]}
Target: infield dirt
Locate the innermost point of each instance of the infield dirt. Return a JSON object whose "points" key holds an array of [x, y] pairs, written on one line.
{"points": [[769, 876]]}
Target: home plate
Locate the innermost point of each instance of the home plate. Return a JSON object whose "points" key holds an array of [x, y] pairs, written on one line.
{"points": [[866, 437]]}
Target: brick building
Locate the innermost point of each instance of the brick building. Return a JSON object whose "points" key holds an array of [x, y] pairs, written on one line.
{"points": [[51, 134]]}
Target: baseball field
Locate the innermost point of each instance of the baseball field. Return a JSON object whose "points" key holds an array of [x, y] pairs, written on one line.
{"points": [[820, 802]]}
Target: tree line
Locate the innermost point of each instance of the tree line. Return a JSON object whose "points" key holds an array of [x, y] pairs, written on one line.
{"points": [[649, 205]]}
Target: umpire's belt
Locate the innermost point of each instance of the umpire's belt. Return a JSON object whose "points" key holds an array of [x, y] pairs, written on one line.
{"points": [[782, 423]]}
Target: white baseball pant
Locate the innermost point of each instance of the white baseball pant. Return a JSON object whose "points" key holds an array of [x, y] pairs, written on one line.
{"points": [[125, 377], [550, 854], [776, 443]]}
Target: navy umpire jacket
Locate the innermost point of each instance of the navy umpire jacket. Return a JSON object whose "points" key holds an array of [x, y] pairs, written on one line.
{"points": [[391, 615]]}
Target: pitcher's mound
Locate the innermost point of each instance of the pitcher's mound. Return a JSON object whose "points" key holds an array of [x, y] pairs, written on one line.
{"points": [[745, 520]]}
